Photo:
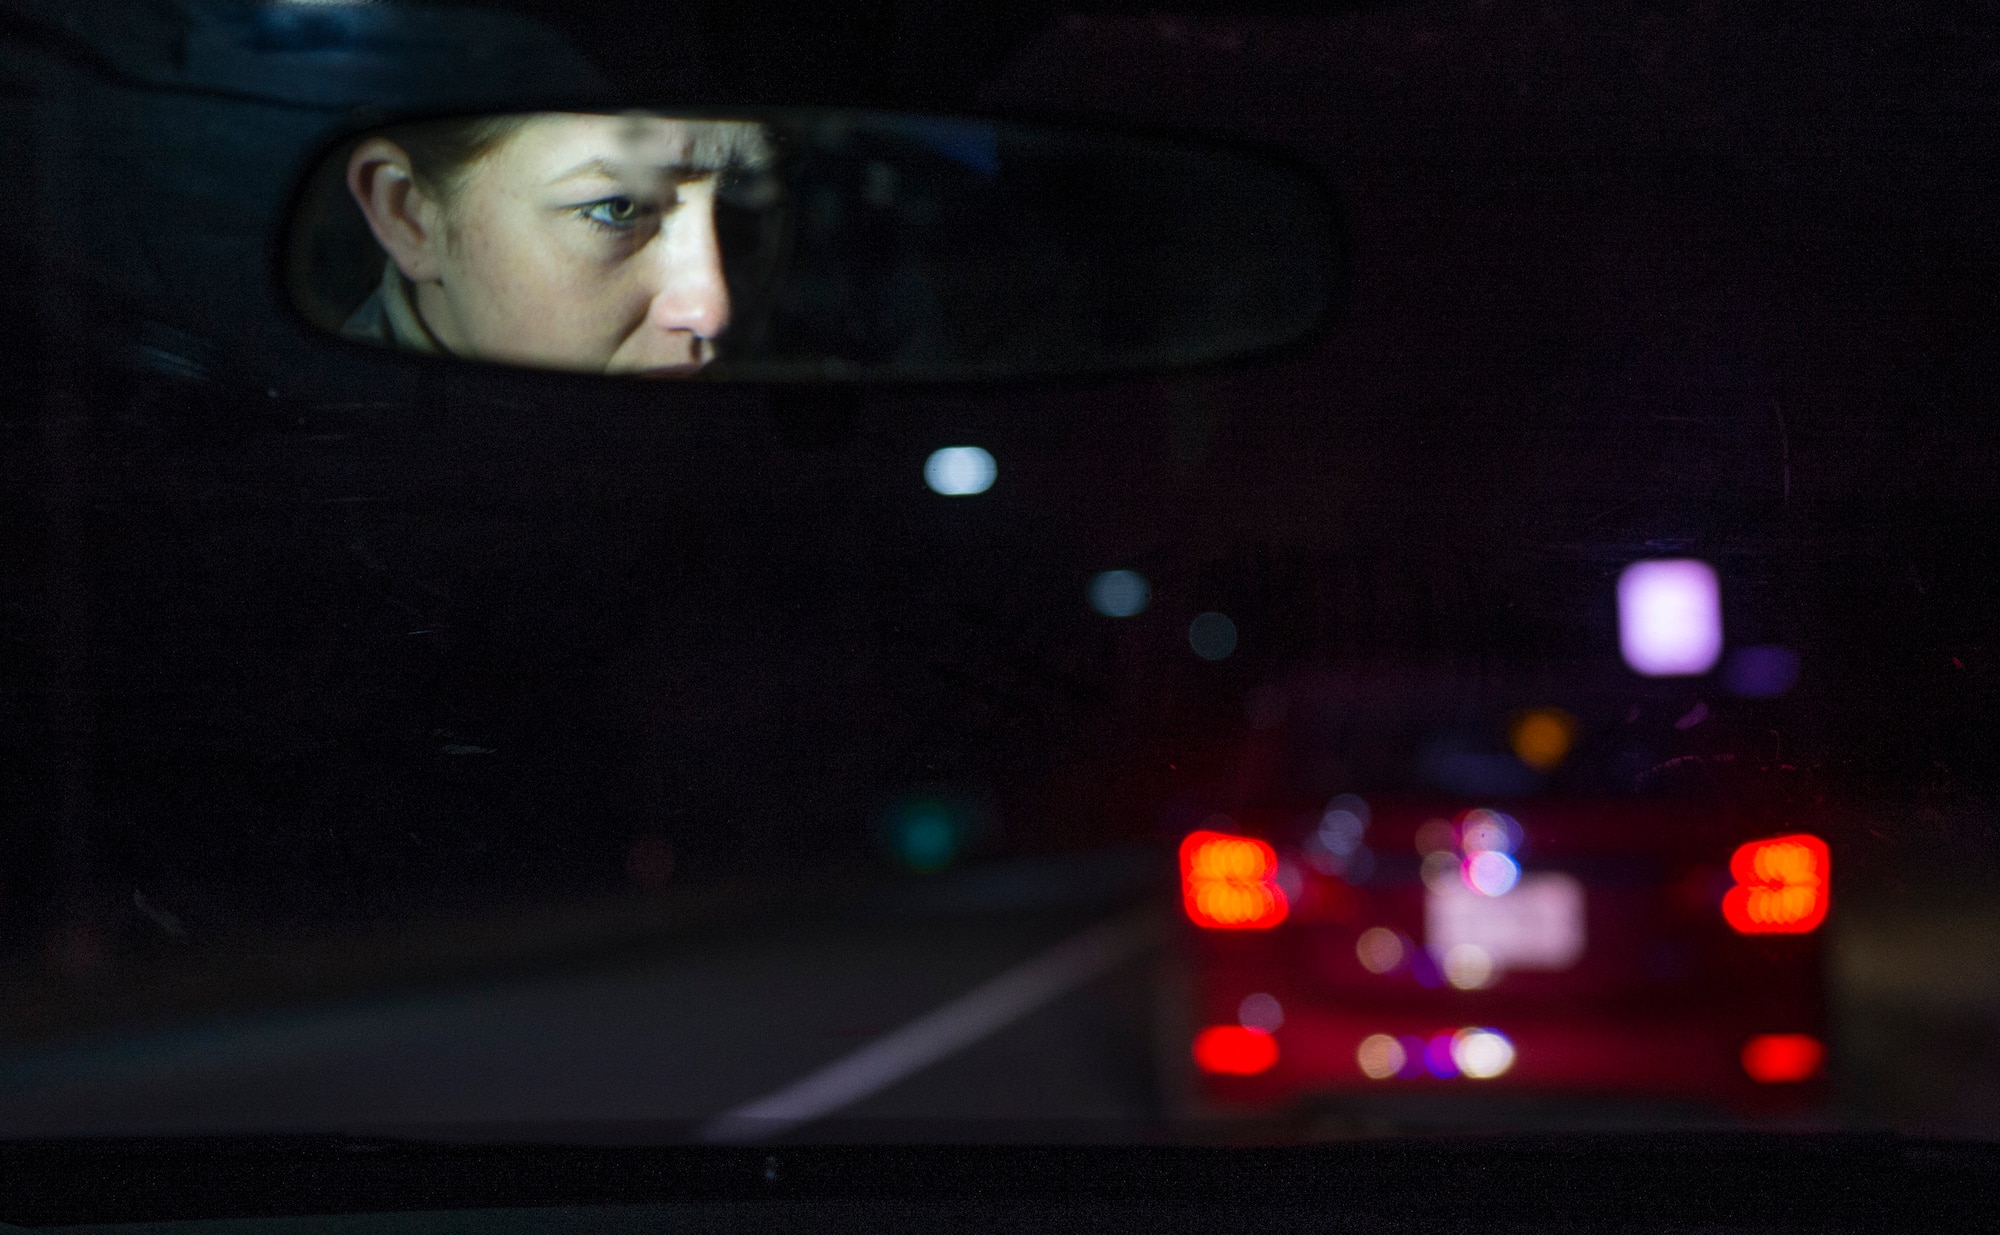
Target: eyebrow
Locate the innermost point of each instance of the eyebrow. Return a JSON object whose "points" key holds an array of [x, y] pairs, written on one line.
{"points": [[611, 171], [601, 167]]}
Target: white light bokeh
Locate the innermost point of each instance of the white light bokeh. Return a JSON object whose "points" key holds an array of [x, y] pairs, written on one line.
{"points": [[1491, 873], [1119, 593], [1380, 1057], [1379, 949], [1469, 967], [960, 471], [1260, 1012], [1670, 617], [1489, 829], [1482, 1054], [1539, 925]]}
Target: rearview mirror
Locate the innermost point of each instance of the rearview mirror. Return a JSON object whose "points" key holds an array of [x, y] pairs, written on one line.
{"points": [[807, 245]]}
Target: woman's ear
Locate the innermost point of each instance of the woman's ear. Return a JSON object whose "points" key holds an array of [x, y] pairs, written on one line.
{"points": [[407, 223]]}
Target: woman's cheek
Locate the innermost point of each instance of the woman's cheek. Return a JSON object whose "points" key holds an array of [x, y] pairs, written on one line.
{"points": [[538, 299], [488, 292], [600, 307], [570, 317]]}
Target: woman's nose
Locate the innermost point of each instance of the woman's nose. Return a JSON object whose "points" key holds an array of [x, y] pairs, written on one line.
{"points": [[693, 294]]}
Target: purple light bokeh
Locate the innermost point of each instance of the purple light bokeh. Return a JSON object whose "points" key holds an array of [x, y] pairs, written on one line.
{"points": [[1670, 617]]}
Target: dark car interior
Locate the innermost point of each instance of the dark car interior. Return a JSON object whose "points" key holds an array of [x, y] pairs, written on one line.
{"points": [[453, 791]]}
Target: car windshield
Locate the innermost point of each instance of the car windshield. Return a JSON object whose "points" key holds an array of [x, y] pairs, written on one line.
{"points": [[1558, 695]]}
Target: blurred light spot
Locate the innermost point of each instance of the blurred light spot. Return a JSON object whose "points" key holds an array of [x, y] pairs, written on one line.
{"points": [[1670, 617], [1233, 1050], [1692, 717], [926, 839], [1212, 636], [1491, 873], [1436, 836], [1441, 872], [1482, 1054], [1335, 845], [1380, 1057], [1379, 949], [1468, 967], [1781, 886], [1761, 672], [1541, 737], [929, 830], [1437, 1057], [1340, 831], [1119, 593], [958, 471], [1540, 924], [1423, 967], [1413, 1057], [1230, 882], [1483, 830], [1260, 1012], [1776, 1058]]}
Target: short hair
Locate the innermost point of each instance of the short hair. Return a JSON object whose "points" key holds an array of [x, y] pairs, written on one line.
{"points": [[443, 151]]}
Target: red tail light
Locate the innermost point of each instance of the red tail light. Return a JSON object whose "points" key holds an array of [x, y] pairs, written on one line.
{"points": [[1781, 886], [1234, 1051], [1778, 1057], [1230, 882]]}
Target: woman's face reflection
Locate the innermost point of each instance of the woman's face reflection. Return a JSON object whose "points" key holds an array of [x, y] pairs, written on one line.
{"points": [[578, 242]]}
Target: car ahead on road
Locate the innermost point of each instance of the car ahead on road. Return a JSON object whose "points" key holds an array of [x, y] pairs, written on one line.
{"points": [[1497, 928]]}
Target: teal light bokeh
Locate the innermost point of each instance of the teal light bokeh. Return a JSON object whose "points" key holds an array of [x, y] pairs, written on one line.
{"points": [[928, 833]]}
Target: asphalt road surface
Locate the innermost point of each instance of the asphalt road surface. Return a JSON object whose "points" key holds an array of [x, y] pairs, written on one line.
{"points": [[1017, 1002], [1014, 1006]]}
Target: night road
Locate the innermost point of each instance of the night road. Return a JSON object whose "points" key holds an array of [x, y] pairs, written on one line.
{"points": [[1017, 1001]]}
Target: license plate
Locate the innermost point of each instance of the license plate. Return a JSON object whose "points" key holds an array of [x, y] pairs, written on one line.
{"points": [[1536, 925]]}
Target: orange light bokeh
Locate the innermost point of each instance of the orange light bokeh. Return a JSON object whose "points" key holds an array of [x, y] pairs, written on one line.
{"points": [[1781, 886], [1542, 737], [1230, 882]]}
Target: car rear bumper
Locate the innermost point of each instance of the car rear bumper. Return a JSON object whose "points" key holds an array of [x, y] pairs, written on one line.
{"points": [[1690, 1059]]}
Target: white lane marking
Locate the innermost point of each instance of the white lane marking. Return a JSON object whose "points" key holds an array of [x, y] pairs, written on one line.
{"points": [[939, 1032]]}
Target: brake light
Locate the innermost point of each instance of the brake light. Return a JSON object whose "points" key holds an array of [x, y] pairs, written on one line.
{"points": [[1234, 1050], [1231, 882], [1781, 886], [1773, 1058]]}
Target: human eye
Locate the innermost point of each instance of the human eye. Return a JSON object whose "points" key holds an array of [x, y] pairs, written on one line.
{"points": [[617, 214]]}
